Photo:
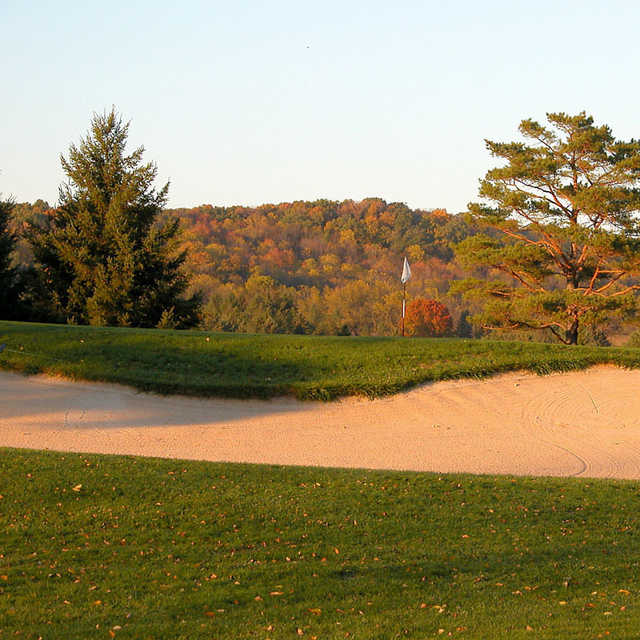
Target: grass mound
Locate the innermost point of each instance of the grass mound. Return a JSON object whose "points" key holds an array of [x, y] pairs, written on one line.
{"points": [[106, 546], [263, 366]]}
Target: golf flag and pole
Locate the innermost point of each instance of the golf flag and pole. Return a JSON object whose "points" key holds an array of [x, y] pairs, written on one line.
{"points": [[406, 275]]}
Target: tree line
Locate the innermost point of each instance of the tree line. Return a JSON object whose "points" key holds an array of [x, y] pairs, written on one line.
{"points": [[307, 267], [323, 267], [550, 253]]}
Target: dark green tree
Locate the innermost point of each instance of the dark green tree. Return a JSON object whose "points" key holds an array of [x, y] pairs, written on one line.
{"points": [[561, 228], [104, 255], [9, 281]]}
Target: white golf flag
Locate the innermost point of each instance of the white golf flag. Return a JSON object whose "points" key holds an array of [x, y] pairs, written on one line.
{"points": [[406, 272]]}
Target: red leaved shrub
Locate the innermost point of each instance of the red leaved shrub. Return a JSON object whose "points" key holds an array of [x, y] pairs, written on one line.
{"points": [[428, 319]]}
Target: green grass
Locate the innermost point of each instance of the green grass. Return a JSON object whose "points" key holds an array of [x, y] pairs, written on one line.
{"points": [[310, 367], [102, 546]]}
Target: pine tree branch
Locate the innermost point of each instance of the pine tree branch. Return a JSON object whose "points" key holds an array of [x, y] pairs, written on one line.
{"points": [[611, 283], [596, 272], [558, 335], [553, 200], [633, 287], [520, 324]]}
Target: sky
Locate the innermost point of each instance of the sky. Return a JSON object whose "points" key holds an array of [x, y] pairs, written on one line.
{"points": [[250, 102]]}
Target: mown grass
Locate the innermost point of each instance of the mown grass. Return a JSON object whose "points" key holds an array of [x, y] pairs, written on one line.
{"points": [[309, 367], [105, 546]]}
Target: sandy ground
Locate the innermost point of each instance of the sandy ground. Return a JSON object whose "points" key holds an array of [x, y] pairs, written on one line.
{"points": [[572, 424]]}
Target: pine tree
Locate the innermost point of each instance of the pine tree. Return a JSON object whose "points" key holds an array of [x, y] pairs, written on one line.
{"points": [[562, 230], [9, 289], [105, 256]]}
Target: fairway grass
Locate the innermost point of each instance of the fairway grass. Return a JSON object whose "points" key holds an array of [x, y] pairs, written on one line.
{"points": [[111, 546], [262, 366]]}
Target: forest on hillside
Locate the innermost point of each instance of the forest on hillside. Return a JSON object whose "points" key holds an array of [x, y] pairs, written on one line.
{"points": [[322, 267], [552, 252]]}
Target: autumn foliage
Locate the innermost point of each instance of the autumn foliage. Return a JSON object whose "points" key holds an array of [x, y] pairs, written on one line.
{"points": [[427, 319], [322, 267]]}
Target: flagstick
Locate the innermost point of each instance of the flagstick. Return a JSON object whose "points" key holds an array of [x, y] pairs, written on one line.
{"points": [[406, 275], [404, 298]]}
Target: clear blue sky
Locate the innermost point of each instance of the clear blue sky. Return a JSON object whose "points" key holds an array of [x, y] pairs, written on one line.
{"points": [[250, 102]]}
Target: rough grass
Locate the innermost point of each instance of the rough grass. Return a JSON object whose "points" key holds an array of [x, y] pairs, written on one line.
{"points": [[309, 367], [105, 546]]}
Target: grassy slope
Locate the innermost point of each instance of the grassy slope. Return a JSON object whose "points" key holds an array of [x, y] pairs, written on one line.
{"points": [[201, 364], [171, 549]]}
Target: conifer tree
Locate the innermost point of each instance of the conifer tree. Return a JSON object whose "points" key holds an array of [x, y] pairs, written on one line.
{"points": [[9, 289], [105, 256], [561, 228]]}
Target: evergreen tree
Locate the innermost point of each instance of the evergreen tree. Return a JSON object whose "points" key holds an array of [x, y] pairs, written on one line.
{"points": [[562, 229], [105, 257], [9, 288]]}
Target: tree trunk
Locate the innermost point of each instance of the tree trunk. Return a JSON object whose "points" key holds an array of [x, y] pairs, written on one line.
{"points": [[571, 334]]}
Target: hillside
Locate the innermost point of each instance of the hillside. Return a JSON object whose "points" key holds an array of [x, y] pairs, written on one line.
{"points": [[322, 267], [318, 267]]}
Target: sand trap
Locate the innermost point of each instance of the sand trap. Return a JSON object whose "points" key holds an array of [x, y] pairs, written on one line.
{"points": [[571, 424]]}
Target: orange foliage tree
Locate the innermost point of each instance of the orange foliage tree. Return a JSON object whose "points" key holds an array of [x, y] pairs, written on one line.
{"points": [[427, 318]]}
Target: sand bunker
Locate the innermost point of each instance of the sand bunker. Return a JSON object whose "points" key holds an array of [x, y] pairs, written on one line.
{"points": [[583, 423]]}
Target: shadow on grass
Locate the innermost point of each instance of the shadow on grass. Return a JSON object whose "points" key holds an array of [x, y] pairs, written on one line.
{"points": [[265, 366], [168, 363]]}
